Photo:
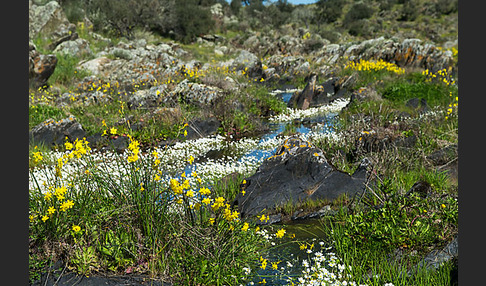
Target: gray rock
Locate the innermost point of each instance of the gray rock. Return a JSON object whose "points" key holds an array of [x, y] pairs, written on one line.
{"points": [[78, 48], [195, 93], [95, 66], [147, 98], [49, 21], [249, 63], [55, 132], [297, 172]]}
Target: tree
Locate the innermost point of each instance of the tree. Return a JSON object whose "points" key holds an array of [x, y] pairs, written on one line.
{"points": [[328, 11]]}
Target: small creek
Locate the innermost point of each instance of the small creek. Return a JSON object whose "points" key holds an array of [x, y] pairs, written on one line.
{"points": [[309, 231]]}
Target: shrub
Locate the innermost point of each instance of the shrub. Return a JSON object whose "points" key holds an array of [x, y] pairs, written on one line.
{"points": [[329, 11], [357, 12]]}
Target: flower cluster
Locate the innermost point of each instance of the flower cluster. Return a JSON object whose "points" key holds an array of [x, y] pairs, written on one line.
{"points": [[133, 150], [363, 65], [441, 76]]}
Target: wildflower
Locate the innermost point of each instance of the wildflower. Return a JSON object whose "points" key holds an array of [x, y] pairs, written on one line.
{"points": [[48, 196], [275, 265], [263, 281], [66, 205], [204, 191], [206, 201], [245, 226], [243, 192], [190, 194], [264, 263], [185, 133], [211, 221], [219, 202], [68, 145], [44, 218], [37, 157], [280, 233], [156, 177], [51, 210], [76, 228], [190, 159], [443, 206], [113, 131]]}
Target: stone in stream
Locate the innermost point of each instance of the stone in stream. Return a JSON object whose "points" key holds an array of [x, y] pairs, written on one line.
{"points": [[297, 172]]}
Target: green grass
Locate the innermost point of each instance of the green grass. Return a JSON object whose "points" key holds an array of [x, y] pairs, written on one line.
{"points": [[130, 221]]}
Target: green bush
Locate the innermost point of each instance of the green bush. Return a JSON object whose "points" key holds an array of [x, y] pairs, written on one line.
{"points": [[357, 12]]}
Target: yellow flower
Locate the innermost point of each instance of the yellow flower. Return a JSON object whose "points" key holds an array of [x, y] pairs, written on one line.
{"points": [[190, 159], [156, 178], [263, 281], [48, 196], [51, 210], [113, 131], [206, 201], [185, 133], [37, 157], [245, 226], [44, 218], [204, 191], [66, 205], [264, 263], [211, 221], [190, 194], [68, 145], [280, 233], [76, 228], [443, 206], [275, 265], [219, 202]]}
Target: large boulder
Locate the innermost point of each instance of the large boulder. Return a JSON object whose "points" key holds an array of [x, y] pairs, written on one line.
{"points": [[41, 67], [314, 94], [248, 63], [78, 48], [195, 93], [49, 22], [297, 172], [55, 132]]}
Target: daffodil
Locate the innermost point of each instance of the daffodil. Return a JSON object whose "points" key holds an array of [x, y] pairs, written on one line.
{"points": [[51, 210], [280, 233], [245, 226], [76, 228]]}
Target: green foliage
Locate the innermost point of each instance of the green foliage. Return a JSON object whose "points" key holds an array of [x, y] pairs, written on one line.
{"points": [[66, 72], [329, 10], [192, 20], [41, 112]]}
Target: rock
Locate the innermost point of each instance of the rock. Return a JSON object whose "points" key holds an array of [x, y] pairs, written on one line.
{"points": [[50, 22], [41, 67], [422, 188], [297, 172], [147, 98], [436, 258], [443, 156], [195, 93], [199, 128], [95, 66], [78, 48], [418, 103], [314, 95], [55, 132], [249, 63]]}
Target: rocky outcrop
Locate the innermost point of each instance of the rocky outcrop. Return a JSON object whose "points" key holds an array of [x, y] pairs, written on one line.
{"points": [[195, 93], [314, 94], [78, 48], [405, 53], [41, 67], [50, 22], [248, 63], [297, 172], [55, 132]]}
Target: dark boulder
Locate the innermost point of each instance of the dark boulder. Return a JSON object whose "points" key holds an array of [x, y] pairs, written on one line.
{"points": [[199, 128], [315, 94], [297, 172], [41, 67], [55, 132]]}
